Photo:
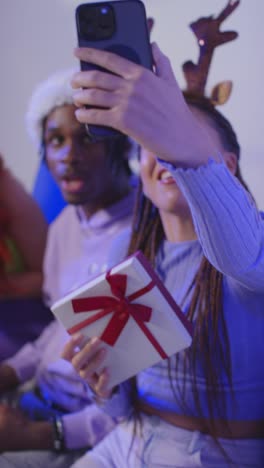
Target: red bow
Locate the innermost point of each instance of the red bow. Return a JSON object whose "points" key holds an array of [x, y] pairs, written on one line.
{"points": [[122, 308]]}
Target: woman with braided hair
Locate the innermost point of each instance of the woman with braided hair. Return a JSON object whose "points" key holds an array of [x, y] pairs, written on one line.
{"points": [[197, 223]]}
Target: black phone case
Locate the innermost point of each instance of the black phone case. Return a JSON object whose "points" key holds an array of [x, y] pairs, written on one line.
{"points": [[130, 40]]}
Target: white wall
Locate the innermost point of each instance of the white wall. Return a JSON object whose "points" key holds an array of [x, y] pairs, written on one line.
{"points": [[37, 38]]}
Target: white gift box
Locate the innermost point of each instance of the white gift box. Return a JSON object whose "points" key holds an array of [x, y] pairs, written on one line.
{"points": [[133, 314]]}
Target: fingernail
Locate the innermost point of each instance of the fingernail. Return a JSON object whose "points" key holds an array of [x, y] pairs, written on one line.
{"points": [[94, 340], [77, 337]]}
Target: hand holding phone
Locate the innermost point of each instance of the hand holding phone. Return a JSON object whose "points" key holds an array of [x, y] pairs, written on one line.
{"points": [[119, 27], [149, 107]]}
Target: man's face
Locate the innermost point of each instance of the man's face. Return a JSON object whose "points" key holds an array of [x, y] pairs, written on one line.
{"points": [[80, 168]]}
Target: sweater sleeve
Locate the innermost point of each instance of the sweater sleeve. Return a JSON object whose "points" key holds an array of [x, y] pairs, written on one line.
{"points": [[119, 405], [87, 427], [25, 362], [227, 222], [119, 248]]}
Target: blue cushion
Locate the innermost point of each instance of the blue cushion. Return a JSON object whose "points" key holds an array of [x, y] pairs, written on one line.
{"points": [[47, 194]]}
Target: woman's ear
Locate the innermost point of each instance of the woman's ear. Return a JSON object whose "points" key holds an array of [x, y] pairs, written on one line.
{"points": [[231, 161]]}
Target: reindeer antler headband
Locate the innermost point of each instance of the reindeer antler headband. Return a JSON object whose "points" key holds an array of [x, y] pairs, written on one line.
{"points": [[209, 36]]}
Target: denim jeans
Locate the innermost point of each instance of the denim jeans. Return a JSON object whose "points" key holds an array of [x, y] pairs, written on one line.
{"points": [[160, 445]]}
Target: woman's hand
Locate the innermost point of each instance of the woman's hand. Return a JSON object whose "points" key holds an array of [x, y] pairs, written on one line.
{"points": [[88, 362], [148, 107]]}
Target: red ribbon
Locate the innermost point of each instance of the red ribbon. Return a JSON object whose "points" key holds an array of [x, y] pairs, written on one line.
{"points": [[122, 308]]}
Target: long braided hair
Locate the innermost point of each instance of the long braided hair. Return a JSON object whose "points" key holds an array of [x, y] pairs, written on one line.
{"points": [[210, 338]]}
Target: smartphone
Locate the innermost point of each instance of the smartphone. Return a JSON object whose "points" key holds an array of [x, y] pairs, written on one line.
{"points": [[116, 26]]}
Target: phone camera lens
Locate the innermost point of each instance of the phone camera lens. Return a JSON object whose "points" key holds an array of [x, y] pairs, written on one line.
{"points": [[97, 22]]}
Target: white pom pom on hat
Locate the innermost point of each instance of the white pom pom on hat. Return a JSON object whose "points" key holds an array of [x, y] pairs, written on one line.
{"points": [[50, 93]]}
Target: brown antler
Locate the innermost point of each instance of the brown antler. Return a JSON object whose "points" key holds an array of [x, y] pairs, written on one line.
{"points": [[209, 36], [150, 23]]}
